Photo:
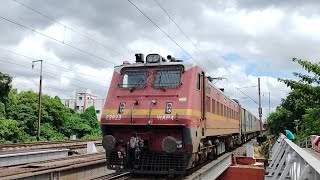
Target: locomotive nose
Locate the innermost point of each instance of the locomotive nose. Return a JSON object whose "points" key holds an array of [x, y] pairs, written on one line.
{"points": [[169, 144], [108, 142]]}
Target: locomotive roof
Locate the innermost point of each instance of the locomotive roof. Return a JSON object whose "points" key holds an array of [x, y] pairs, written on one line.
{"points": [[186, 65]]}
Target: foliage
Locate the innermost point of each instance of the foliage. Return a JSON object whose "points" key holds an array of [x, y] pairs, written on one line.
{"points": [[300, 110], [13, 131], [311, 122], [279, 119], [92, 135], [5, 81], [57, 121], [11, 103], [91, 118], [2, 111], [264, 151], [50, 133]]}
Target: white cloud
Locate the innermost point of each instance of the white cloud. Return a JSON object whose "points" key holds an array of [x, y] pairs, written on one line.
{"points": [[237, 78], [265, 35]]}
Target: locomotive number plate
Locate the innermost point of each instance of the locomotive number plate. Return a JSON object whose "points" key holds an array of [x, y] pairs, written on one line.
{"points": [[165, 117], [113, 117]]}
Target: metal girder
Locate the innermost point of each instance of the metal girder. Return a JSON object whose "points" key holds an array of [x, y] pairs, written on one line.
{"points": [[212, 170], [289, 161]]}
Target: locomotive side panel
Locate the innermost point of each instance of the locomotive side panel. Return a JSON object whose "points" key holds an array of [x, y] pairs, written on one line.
{"points": [[222, 114], [249, 125]]}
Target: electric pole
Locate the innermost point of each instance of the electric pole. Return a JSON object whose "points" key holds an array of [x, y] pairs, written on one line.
{"points": [[260, 109], [269, 103], [39, 101]]}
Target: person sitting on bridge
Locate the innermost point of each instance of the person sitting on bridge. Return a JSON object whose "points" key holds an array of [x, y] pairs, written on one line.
{"points": [[289, 134]]}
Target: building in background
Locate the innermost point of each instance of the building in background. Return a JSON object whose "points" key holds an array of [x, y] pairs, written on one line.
{"points": [[84, 100]]}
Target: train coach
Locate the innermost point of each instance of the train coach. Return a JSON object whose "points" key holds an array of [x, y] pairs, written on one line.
{"points": [[164, 116]]}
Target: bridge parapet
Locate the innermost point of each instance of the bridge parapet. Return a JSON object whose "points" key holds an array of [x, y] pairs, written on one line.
{"points": [[289, 161]]}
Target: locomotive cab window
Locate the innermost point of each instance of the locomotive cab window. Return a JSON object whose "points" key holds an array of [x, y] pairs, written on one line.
{"points": [[167, 78], [198, 82], [133, 79]]}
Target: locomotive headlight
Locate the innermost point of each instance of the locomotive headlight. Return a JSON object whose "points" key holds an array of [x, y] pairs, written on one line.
{"points": [[168, 107], [153, 58], [121, 108], [169, 144], [108, 142]]}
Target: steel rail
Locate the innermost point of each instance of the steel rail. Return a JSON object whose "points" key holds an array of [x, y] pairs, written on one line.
{"points": [[125, 175], [78, 161], [45, 143]]}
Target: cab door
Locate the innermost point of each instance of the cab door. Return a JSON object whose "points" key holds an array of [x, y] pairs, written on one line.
{"points": [[244, 120], [203, 102]]}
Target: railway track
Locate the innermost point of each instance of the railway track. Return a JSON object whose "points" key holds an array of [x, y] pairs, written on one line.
{"points": [[70, 144], [114, 176], [128, 175], [66, 167], [45, 167]]}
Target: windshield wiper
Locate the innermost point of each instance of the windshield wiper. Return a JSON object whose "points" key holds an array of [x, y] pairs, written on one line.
{"points": [[137, 85]]}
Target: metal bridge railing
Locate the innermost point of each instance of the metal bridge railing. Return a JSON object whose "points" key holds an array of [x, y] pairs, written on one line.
{"points": [[289, 161], [305, 143]]}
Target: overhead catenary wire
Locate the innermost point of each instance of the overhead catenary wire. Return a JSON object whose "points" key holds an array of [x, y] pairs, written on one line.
{"points": [[247, 87], [71, 29], [76, 48], [35, 84], [57, 40], [173, 39], [242, 92], [50, 73], [19, 54], [25, 67], [194, 43], [45, 84], [185, 34], [155, 24], [55, 75]]}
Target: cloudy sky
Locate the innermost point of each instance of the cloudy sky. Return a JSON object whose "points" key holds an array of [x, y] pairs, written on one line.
{"points": [[81, 41]]}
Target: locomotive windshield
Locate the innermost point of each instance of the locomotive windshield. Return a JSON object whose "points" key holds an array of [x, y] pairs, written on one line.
{"points": [[133, 79], [167, 78]]}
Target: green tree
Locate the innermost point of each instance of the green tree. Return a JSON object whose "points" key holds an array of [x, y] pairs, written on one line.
{"points": [[311, 122], [5, 85], [75, 125], [2, 111], [12, 131], [57, 121], [306, 91], [278, 120], [300, 109], [49, 132], [90, 117], [27, 111], [11, 104]]}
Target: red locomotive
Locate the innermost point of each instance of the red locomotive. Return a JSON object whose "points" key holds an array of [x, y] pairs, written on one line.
{"points": [[164, 116]]}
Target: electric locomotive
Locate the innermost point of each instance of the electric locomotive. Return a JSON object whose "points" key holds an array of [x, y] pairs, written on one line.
{"points": [[164, 116]]}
